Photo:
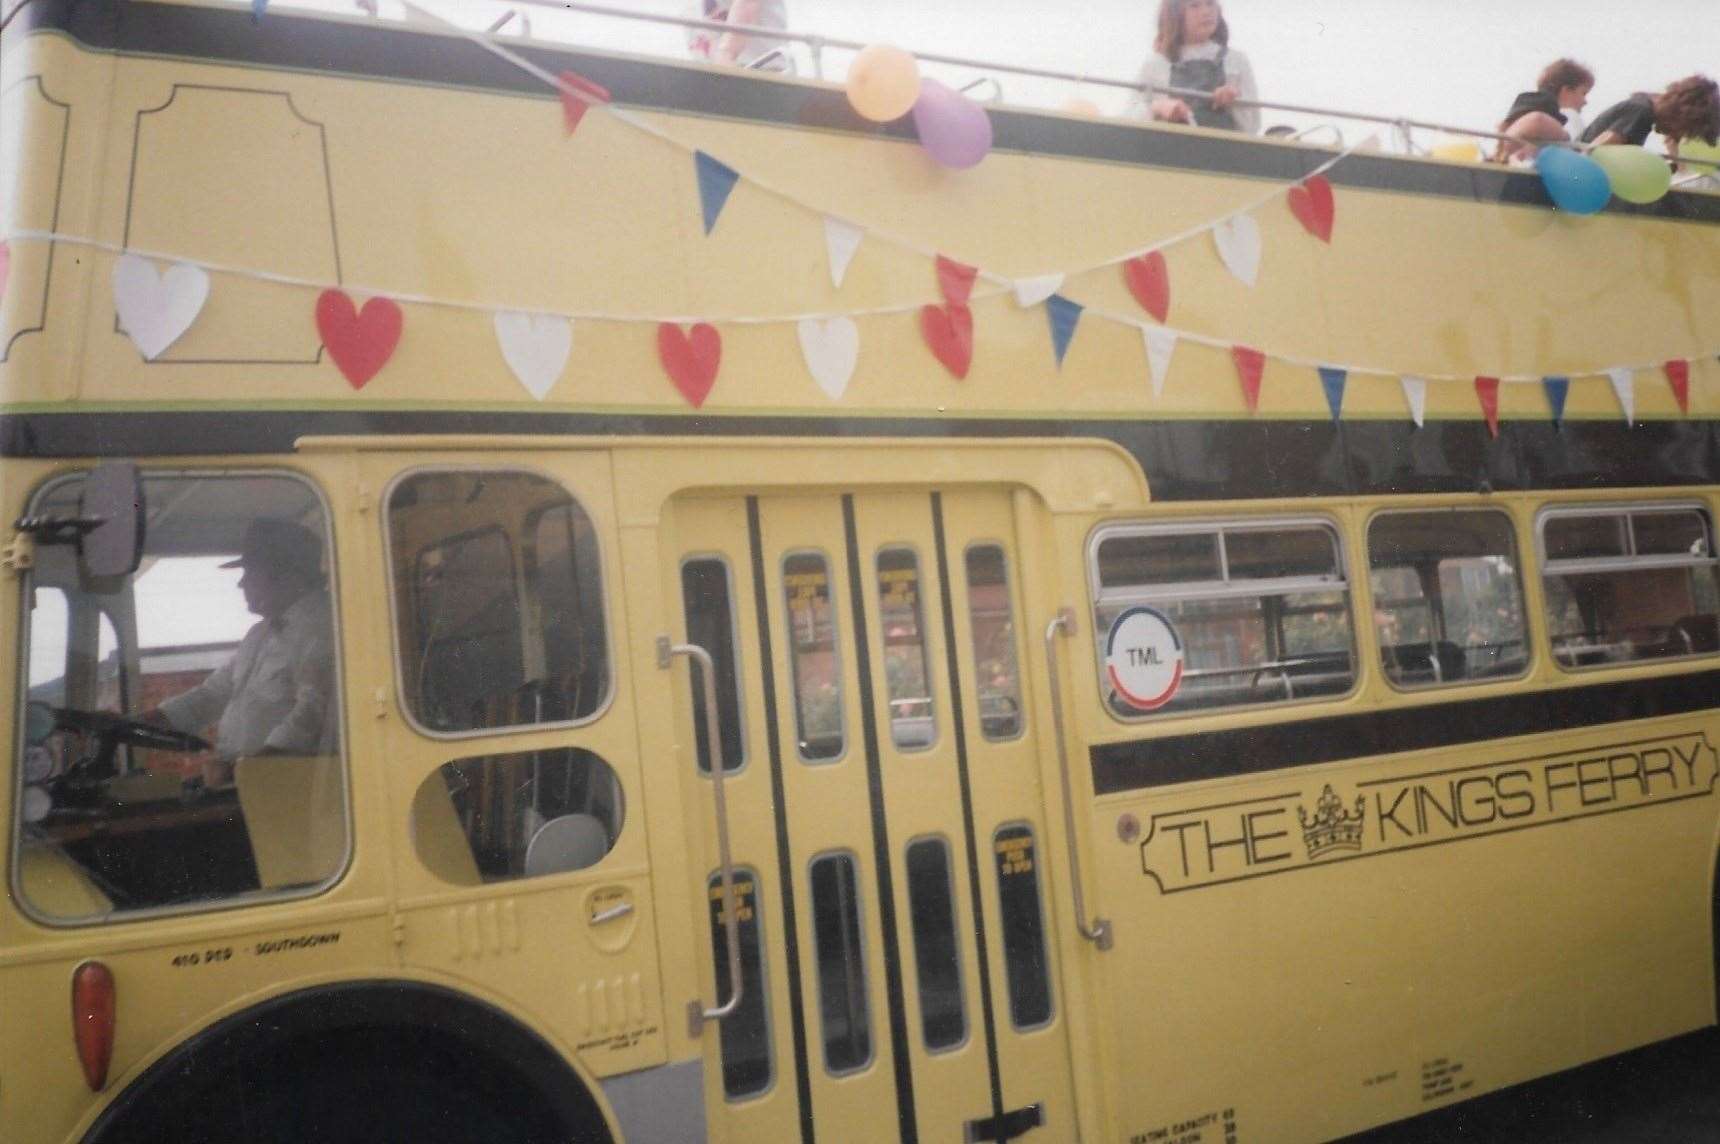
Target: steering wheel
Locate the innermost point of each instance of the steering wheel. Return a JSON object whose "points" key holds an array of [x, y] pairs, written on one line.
{"points": [[110, 730]]}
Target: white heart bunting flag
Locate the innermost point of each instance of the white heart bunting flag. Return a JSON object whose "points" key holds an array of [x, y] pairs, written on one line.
{"points": [[841, 240], [832, 350], [154, 308], [1161, 344], [1238, 242], [536, 347], [1624, 385], [1415, 392], [1033, 291]]}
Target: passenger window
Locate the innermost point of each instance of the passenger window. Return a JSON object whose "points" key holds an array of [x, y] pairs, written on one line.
{"points": [[707, 596], [190, 755], [744, 1035], [1448, 597], [844, 1008], [498, 602], [1629, 585], [907, 672], [991, 615], [814, 657], [1259, 613], [1029, 974], [937, 946], [519, 815]]}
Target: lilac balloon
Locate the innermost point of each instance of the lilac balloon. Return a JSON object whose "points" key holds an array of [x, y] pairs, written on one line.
{"points": [[954, 129]]}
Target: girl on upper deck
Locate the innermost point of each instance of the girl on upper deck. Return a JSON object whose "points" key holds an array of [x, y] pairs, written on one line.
{"points": [[1192, 52], [1688, 109], [1550, 113]]}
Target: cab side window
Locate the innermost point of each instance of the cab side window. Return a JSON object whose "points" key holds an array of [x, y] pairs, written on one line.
{"points": [[183, 732], [498, 602]]}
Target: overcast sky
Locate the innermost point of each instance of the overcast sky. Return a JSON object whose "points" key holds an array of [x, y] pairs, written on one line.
{"points": [[1456, 61]]}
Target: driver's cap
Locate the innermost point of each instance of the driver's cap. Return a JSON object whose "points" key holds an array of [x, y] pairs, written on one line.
{"points": [[280, 546]]}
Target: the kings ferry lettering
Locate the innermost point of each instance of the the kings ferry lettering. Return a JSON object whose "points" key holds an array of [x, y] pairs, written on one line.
{"points": [[1211, 845]]}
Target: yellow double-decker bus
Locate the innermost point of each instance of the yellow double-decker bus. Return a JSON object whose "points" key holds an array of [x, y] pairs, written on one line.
{"points": [[561, 596]]}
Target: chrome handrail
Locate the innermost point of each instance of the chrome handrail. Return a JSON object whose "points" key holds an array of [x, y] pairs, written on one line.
{"points": [[697, 1013], [1099, 932]]}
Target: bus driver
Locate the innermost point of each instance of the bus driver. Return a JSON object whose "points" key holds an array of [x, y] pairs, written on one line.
{"points": [[273, 696]]}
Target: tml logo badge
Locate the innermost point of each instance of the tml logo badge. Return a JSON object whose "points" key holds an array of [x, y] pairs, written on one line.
{"points": [[1331, 827]]}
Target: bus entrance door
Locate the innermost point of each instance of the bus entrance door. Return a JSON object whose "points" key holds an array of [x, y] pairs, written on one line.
{"points": [[886, 818]]}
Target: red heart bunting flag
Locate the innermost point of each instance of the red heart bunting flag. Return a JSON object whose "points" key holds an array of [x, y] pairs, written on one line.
{"points": [[1487, 389], [955, 279], [1678, 373], [1314, 208], [359, 341], [691, 359], [1250, 364], [948, 330], [577, 96], [1150, 282]]}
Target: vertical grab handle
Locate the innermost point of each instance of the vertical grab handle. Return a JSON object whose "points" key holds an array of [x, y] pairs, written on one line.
{"points": [[697, 1013], [1099, 930]]}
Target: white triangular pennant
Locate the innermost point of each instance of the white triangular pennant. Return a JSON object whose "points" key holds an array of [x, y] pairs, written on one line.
{"points": [[536, 347], [155, 309], [841, 240], [1032, 291], [1161, 344], [1624, 385], [1415, 392], [1238, 242], [832, 350]]}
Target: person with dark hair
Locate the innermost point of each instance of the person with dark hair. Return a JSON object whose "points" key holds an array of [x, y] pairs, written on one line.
{"points": [[1688, 109], [1192, 52], [1551, 113], [274, 696]]}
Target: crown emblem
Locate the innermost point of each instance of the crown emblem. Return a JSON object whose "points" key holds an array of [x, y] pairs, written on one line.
{"points": [[1331, 827]]}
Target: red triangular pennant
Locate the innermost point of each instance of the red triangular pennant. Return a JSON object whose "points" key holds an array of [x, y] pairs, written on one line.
{"points": [[1487, 389], [1150, 282], [577, 96], [955, 280], [1250, 364], [1678, 373]]}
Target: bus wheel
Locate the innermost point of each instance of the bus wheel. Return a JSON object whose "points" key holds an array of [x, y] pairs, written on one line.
{"points": [[303, 1071]]}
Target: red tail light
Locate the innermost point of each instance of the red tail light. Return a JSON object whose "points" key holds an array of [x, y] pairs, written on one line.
{"points": [[93, 1020]]}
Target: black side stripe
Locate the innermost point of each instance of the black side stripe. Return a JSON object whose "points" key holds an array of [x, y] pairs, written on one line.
{"points": [[893, 978], [784, 860], [975, 887], [1148, 763]]}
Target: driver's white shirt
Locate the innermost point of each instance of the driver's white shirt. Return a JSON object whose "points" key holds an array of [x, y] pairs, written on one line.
{"points": [[274, 692]]}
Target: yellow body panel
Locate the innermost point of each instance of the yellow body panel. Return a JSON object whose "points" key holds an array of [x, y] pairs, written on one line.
{"points": [[1248, 987]]}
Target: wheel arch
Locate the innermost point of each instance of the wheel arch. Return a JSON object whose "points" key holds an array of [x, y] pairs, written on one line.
{"points": [[421, 1014]]}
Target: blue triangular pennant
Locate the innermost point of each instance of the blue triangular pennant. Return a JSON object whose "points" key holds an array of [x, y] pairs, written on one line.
{"points": [[1558, 388], [258, 7], [716, 180], [1065, 316], [1334, 380]]}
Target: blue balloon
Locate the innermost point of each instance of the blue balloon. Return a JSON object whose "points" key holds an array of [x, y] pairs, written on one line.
{"points": [[1577, 183]]}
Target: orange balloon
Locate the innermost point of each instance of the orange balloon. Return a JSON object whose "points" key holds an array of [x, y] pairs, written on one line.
{"points": [[883, 83]]}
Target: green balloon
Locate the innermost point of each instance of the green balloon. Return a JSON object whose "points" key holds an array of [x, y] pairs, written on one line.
{"points": [[1637, 176]]}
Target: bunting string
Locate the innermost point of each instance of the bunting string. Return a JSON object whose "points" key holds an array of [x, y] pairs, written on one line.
{"points": [[157, 307]]}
